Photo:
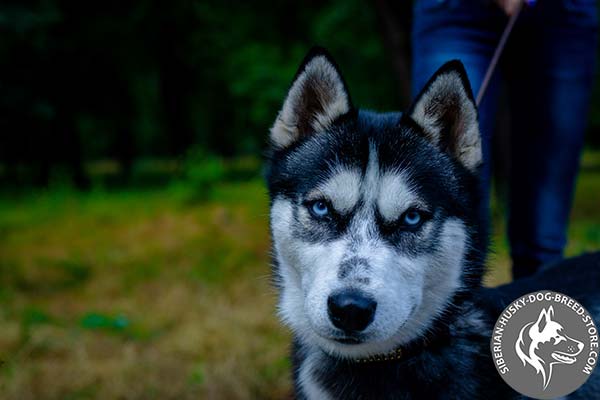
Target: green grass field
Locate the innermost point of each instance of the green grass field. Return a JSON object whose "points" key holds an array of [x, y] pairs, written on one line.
{"points": [[140, 295]]}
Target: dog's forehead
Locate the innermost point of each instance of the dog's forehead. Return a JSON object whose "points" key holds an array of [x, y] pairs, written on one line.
{"points": [[390, 190], [342, 187], [372, 156], [555, 326]]}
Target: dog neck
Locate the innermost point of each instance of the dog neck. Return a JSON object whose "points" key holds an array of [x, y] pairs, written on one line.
{"points": [[436, 337], [453, 354]]}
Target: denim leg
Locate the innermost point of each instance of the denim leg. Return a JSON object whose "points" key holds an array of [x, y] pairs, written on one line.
{"points": [[468, 31], [549, 73]]}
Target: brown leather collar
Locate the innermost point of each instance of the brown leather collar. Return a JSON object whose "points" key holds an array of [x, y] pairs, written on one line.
{"points": [[434, 340], [393, 355]]}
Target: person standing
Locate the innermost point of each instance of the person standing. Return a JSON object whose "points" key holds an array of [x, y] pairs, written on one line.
{"points": [[548, 67]]}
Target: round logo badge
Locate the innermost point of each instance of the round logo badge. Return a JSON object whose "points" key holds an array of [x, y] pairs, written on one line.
{"points": [[545, 345]]}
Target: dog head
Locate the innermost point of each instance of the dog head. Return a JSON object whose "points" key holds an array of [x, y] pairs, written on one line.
{"points": [[372, 215], [544, 343]]}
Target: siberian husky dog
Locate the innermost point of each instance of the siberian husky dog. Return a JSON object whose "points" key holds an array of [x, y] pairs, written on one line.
{"points": [[378, 247]]}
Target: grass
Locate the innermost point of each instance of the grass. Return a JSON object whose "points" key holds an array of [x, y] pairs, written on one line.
{"points": [[140, 295]]}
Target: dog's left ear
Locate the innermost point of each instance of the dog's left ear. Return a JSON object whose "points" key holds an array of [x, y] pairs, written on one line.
{"points": [[446, 112], [317, 97]]}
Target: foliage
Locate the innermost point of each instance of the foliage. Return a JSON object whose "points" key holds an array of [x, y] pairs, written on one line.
{"points": [[128, 81], [200, 173]]}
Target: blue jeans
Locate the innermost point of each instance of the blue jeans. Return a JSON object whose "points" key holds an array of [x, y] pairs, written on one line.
{"points": [[548, 67]]}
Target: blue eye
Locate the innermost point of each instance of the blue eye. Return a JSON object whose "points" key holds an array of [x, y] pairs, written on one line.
{"points": [[319, 208], [412, 218]]}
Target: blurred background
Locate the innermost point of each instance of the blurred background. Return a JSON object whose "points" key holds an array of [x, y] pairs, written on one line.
{"points": [[133, 216]]}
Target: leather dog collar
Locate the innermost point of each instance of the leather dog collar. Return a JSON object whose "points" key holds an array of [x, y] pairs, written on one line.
{"points": [[441, 338]]}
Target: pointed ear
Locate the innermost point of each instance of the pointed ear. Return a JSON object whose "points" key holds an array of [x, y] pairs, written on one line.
{"points": [[446, 112], [317, 97], [543, 319]]}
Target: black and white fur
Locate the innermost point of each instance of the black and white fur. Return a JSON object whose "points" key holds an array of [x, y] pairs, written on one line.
{"points": [[373, 175]]}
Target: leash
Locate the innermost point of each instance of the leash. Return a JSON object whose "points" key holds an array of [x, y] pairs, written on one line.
{"points": [[490, 70]]}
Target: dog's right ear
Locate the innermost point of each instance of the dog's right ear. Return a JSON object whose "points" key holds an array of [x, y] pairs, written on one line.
{"points": [[317, 97]]}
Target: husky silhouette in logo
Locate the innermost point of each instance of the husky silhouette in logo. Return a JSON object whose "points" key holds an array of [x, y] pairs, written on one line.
{"points": [[543, 343]]}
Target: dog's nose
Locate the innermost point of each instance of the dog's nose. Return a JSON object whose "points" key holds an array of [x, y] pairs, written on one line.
{"points": [[351, 310]]}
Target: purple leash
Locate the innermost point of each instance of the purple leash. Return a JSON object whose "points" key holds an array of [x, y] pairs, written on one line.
{"points": [[490, 70]]}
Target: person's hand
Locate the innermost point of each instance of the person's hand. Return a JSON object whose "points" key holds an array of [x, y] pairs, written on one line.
{"points": [[509, 6]]}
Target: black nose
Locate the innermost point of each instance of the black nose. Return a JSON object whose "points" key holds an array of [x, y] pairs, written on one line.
{"points": [[351, 310]]}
